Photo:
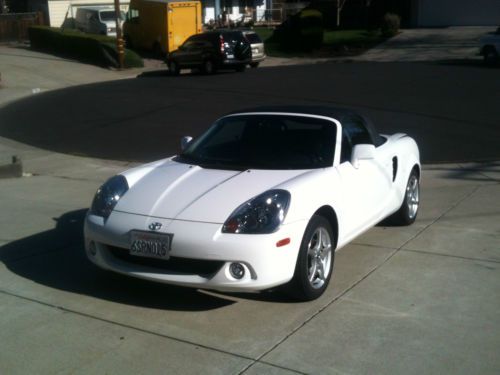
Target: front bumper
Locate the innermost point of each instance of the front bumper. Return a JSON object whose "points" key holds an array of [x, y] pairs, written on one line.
{"points": [[200, 256]]}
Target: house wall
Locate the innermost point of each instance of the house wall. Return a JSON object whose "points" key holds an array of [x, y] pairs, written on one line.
{"points": [[234, 8], [431, 13], [59, 8]]}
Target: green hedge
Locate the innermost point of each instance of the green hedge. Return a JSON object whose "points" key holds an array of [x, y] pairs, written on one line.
{"points": [[93, 49]]}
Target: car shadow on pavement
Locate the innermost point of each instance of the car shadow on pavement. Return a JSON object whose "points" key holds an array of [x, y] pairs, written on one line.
{"points": [[473, 63], [156, 74], [166, 73], [56, 258]]}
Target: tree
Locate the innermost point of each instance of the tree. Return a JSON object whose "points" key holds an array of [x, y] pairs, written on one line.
{"points": [[339, 5]]}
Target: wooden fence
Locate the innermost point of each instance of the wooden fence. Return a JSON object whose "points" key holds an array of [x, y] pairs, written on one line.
{"points": [[14, 26]]}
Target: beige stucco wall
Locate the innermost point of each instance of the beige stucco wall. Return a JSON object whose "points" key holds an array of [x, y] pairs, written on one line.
{"points": [[59, 8]]}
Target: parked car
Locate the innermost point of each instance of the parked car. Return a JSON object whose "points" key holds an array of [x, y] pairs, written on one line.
{"points": [[211, 51], [263, 198], [257, 45], [97, 20], [490, 47]]}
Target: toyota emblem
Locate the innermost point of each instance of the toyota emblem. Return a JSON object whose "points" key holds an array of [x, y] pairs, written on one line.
{"points": [[155, 226]]}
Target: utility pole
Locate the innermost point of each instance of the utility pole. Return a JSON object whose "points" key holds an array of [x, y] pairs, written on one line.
{"points": [[119, 36]]}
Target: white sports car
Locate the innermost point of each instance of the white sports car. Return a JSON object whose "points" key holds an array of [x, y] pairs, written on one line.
{"points": [[263, 198]]}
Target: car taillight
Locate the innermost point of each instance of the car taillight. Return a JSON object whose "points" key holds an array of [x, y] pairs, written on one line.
{"points": [[222, 44]]}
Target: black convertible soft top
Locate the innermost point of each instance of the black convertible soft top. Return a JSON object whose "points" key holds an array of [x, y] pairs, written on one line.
{"points": [[339, 114]]}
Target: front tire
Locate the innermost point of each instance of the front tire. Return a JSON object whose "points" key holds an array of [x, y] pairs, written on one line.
{"points": [[315, 261], [174, 68], [408, 211], [208, 67], [254, 65], [490, 56]]}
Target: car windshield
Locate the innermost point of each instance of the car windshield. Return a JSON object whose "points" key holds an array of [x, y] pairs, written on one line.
{"points": [[109, 15], [264, 142]]}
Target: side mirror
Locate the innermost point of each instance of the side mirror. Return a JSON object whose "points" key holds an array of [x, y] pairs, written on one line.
{"points": [[185, 142], [362, 152]]}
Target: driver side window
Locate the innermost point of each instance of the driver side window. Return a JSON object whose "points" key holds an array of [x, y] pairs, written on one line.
{"points": [[354, 133]]}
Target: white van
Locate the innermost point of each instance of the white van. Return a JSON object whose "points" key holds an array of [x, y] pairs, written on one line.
{"points": [[97, 20]]}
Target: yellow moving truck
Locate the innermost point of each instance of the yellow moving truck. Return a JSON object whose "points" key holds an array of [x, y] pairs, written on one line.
{"points": [[161, 25]]}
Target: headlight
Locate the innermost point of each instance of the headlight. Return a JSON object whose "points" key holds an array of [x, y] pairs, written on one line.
{"points": [[260, 215], [108, 195]]}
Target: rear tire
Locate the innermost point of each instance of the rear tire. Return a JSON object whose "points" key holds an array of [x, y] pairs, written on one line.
{"points": [[241, 68], [408, 211], [254, 65], [314, 267]]}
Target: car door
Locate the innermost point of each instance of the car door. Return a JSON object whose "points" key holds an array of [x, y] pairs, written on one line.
{"points": [[189, 52], [94, 23], [365, 184]]}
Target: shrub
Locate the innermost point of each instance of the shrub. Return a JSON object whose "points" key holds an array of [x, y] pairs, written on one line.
{"points": [[303, 31], [311, 28], [94, 49], [390, 25]]}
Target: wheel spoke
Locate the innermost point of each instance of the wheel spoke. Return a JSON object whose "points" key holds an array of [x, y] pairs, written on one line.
{"points": [[325, 251], [321, 270], [313, 270], [320, 239]]}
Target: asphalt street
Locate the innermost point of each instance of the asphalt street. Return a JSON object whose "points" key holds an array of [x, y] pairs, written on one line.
{"points": [[451, 110]]}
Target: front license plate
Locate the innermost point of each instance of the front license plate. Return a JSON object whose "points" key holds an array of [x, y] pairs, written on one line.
{"points": [[255, 51], [150, 245]]}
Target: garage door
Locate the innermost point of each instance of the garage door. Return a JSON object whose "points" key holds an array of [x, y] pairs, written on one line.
{"points": [[458, 13]]}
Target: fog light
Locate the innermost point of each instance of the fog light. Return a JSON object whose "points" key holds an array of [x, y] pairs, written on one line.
{"points": [[237, 270], [92, 248]]}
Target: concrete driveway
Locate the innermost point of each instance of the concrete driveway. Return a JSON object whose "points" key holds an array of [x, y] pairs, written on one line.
{"points": [[450, 44], [416, 300]]}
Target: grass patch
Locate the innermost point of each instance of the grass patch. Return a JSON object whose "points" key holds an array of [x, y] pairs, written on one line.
{"points": [[335, 43]]}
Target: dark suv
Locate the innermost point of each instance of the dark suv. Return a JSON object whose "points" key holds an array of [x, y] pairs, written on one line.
{"points": [[211, 51]]}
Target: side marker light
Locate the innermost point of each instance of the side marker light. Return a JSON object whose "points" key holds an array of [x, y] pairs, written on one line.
{"points": [[283, 242]]}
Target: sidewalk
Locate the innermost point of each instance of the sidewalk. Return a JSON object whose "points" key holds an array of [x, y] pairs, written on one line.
{"points": [[25, 72], [438, 44]]}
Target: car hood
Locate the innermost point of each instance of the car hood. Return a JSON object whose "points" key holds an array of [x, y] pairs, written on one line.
{"points": [[174, 190]]}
